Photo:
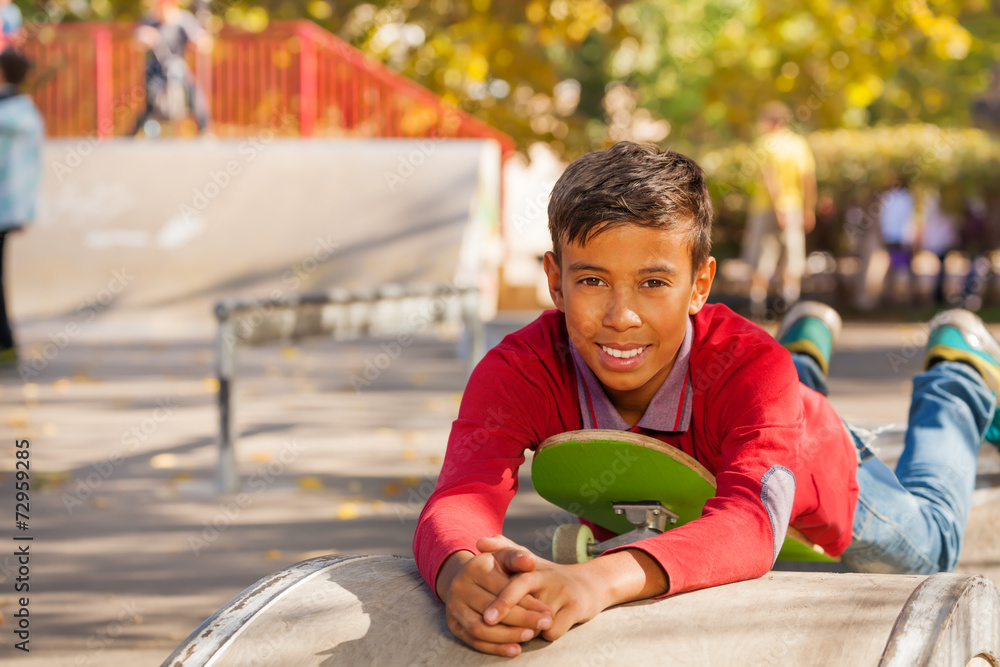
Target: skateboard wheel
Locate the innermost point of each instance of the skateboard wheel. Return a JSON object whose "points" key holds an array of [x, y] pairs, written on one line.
{"points": [[570, 542]]}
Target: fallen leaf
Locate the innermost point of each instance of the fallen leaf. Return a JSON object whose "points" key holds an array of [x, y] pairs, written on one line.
{"points": [[411, 481], [348, 511], [211, 385], [272, 554], [42, 480], [408, 455], [391, 489], [61, 386], [163, 461], [18, 419], [311, 483], [290, 353], [260, 457]]}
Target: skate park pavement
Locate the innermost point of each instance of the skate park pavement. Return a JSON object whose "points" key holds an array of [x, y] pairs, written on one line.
{"points": [[133, 548]]}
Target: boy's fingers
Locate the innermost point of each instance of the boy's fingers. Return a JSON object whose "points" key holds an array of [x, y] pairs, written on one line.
{"points": [[529, 613], [518, 588], [516, 559], [522, 618], [502, 640], [511, 556], [560, 626], [495, 543]]}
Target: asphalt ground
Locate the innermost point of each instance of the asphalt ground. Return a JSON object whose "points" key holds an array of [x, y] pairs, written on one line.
{"points": [[132, 548]]}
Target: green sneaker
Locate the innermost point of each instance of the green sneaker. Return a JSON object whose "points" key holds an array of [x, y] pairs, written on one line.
{"points": [[8, 356], [958, 335], [811, 328]]}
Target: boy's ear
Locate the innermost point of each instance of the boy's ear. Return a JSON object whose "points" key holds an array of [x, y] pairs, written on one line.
{"points": [[554, 275], [702, 285]]}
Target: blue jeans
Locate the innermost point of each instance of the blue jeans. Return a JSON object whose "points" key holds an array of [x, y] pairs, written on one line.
{"points": [[912, 521]]}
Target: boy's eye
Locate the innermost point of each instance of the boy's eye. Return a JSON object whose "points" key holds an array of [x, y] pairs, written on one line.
{"points": [[655, 282], [592, 282]]}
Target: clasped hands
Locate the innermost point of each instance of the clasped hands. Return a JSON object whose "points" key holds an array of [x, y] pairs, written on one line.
{"points": [[506, 595]]}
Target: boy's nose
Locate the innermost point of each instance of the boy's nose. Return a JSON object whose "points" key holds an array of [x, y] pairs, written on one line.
{"points": [[620, 314]]}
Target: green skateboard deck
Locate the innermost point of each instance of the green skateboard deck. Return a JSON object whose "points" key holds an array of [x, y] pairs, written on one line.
{"points": [[586, 472]]}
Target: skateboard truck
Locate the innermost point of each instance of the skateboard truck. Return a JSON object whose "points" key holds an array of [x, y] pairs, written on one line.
{"points": [[576, 544], [649, 517]]}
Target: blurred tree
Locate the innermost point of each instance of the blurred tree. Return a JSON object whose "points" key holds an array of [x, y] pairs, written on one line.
{"points": [[532, 68], [580, 73], [708, 65]]}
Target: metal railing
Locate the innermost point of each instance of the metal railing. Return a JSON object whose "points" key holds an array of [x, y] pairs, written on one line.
{"points": [[90, 83], [402, 311]]}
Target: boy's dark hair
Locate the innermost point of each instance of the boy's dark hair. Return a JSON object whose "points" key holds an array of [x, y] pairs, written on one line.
{"points": [[632, 183], [14, 66]]}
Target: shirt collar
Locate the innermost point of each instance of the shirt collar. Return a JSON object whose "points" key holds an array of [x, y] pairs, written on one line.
{"points": [[669, 411]]}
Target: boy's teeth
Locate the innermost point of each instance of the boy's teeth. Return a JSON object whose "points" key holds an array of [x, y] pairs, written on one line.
{"points": [[623, 354]]}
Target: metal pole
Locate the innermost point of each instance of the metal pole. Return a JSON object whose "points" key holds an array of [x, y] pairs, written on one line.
{"points": [[227, 480], [475, 328]]}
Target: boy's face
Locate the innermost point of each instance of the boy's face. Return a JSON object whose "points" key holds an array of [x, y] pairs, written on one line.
{"points": [[627, 296]]}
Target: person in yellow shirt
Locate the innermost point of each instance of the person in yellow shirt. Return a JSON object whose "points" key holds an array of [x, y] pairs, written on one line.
{"points": [[782, 210]]}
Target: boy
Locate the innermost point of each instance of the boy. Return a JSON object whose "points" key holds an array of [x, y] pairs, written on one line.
{"points": [[166, 31], [633, 346], [21, 132]]}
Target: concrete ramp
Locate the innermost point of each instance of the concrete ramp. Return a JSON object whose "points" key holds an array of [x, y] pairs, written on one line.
{"points": [[375, 610], [138, 225]]}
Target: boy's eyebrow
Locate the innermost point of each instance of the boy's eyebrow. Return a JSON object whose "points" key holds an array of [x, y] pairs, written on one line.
{"points": [[580, 266], [669, 270]]}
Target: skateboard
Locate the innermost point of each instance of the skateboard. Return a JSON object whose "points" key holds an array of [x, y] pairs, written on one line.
{"points": [[631, 484]]}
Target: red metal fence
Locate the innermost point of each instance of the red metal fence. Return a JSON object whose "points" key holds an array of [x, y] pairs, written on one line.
{"points": [[295, 79]]}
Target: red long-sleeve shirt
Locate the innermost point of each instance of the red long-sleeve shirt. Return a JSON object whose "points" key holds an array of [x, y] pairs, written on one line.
{"points": [[734, 403]]}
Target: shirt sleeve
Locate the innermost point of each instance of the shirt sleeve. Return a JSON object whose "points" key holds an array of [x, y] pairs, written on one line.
{"points": [[501, 409], [756, 418]]}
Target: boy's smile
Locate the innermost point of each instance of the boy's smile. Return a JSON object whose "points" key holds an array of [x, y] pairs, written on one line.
{"points": [[627, 295]]}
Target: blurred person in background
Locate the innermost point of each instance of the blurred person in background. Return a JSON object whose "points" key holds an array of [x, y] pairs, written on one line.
{"points": [[938, 235], [21, 132], [10, 22], [782, 210], [171, 87], [898, 225], [978, 242]]}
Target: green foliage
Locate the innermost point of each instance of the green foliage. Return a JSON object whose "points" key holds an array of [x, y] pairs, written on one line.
{"points": [[837, 64], [868, 160], [541, 70], [854, 165]]}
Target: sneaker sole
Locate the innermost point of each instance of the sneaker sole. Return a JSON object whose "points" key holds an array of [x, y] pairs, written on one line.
{"points": [[975, 333], [968, 323], [820, 311]]}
